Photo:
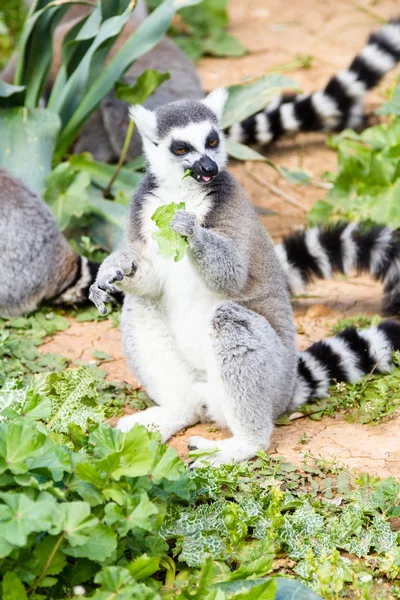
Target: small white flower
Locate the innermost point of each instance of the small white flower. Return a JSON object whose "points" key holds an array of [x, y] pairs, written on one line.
{"points": [[79, 590]]}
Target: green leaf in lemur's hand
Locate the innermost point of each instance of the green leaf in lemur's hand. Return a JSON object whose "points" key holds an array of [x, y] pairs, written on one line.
{"points": [[169, 242]]}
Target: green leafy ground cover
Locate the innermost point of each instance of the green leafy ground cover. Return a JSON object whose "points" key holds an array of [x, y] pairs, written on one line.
{"points": [[84, 508]]}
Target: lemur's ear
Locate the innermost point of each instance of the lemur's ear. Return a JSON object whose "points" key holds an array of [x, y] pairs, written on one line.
{"points": [[216, 101], [145, 121]]}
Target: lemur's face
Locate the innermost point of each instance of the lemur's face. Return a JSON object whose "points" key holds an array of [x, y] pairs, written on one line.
{"points": [[198, 147], [184, 135]]}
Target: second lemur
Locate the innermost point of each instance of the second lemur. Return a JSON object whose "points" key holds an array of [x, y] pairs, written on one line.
{"points": [[36, 262], [212, 337]]}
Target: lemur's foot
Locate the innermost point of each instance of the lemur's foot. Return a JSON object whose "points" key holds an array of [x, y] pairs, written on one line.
{"points": [[159, 419], [144, 417], [231, 450]]}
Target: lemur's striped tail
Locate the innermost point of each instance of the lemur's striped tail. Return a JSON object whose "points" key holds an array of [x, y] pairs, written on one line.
{"points": [[346, 357], [76, 289], [343, 248], [338, 106]]}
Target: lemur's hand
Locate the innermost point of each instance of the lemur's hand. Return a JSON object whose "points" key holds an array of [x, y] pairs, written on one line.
{"points": [[185, 223], [117, 267]]}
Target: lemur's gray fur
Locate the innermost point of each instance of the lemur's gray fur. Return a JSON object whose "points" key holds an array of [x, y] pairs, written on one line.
{"points": [[36, 261], [212, 336]]}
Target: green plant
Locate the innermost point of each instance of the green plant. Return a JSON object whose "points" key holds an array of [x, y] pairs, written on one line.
{"points": [[82, 81], [367, 185], [19, 341], [87, 509], [360, 321]]}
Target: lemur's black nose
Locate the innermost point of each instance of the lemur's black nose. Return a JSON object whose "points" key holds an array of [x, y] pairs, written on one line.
{"points": [[208, 166], [204, 169]]}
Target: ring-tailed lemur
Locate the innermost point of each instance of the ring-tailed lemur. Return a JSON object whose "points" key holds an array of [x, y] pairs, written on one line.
{"points": [[343, 248], [36, 261], [212, 337]]}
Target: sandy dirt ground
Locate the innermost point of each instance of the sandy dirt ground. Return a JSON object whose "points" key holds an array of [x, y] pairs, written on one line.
{"points": [[275, 33]]}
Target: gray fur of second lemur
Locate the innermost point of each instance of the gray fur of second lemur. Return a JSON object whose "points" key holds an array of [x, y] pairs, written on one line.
{"points": [[36, 261]]}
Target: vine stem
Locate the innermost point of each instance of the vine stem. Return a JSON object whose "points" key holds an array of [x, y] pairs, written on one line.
{"points": [[122, 157], [170, 569], [48, 563]]}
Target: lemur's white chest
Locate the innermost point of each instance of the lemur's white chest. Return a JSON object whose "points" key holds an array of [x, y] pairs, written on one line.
{"points": [[187, 303]]}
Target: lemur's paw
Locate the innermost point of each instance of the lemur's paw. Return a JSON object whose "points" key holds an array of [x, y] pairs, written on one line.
{"points": [[197, 442], [99, 297], [117, 268], [109, 274], [184, 223]]}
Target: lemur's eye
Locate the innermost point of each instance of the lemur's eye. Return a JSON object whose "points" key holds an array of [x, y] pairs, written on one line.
{"points": [[180, 147], [213, 143]]}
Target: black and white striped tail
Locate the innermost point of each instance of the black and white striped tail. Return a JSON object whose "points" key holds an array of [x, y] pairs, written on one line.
{"points": [[77, 290], [338, 106], [346, 357], [346, 247]]}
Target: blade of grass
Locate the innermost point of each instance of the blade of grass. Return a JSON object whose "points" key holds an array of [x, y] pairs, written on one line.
{"points": [[91, 65], [35, 51]]}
